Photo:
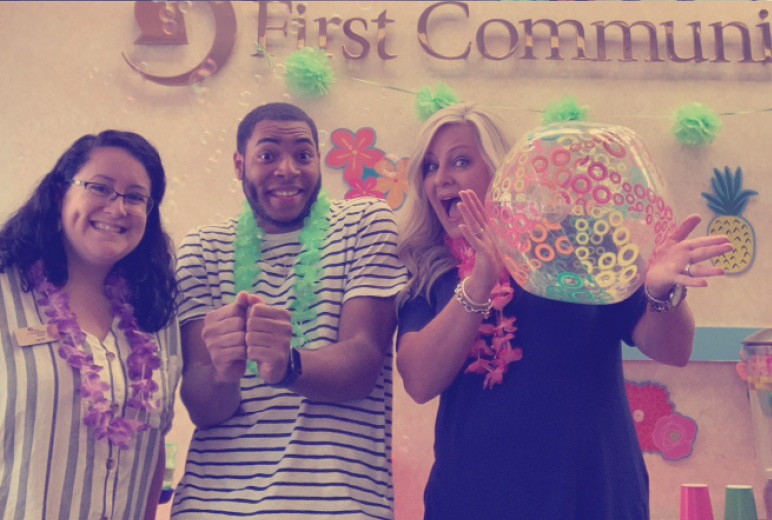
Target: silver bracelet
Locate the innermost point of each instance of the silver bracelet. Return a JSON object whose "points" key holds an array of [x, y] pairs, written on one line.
{"points": [[484, 309]]}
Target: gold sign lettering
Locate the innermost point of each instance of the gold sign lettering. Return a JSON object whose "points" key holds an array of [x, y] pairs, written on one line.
{"points": [[356, 37], [481, 39], [528, 26], [627, 40], [423, 37], [745, 38], [224, 38], [697, 57], [161, 23]]}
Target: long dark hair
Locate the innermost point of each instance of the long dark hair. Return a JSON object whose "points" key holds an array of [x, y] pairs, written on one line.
{"points": [[33, 233]]}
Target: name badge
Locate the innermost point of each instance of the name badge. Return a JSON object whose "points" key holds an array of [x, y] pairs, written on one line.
{"points": [[37, 335]]}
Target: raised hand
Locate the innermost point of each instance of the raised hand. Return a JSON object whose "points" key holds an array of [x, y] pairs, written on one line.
{"points": [[269, 331], [681, 260], [224, 335], [475, 229]]}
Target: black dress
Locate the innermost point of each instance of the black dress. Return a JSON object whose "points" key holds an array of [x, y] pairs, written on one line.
{"points": [[555, 440]]}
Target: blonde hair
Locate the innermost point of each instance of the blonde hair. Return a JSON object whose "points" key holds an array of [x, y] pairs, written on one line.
{"points": [[421, 245]]}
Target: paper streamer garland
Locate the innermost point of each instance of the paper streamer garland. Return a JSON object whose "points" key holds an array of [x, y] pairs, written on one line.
{"points": [[308, 72], [696, 124], [564, 109], [428, 102]]}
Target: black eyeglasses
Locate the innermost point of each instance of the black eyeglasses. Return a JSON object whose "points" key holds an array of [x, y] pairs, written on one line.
{"points": [[134, 202]]}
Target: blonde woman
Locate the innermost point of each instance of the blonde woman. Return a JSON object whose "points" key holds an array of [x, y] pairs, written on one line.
{"points": [[533, 420]]}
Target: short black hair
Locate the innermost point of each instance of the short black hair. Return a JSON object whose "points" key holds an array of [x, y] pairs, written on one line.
{"points": [[272, 112], [33, 233]]}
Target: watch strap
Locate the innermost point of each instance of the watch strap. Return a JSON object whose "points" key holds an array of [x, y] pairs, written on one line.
{"points": [[672, 300], [294, 370]]}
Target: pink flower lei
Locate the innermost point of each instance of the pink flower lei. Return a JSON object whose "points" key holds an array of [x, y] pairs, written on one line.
{"points": [[492, 357], [100, 412]]}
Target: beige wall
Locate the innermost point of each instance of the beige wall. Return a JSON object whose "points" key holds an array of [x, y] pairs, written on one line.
{"points": [[63, 76]]}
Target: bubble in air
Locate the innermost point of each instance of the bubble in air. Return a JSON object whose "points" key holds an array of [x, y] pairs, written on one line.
{"points": [[209, 65], [245, 98]]}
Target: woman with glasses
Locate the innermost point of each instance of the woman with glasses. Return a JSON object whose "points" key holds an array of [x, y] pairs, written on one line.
{"points": [[89, 355]]}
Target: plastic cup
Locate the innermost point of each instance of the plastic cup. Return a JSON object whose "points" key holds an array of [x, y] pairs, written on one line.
{"points": [[740, 504], [695, 502]]}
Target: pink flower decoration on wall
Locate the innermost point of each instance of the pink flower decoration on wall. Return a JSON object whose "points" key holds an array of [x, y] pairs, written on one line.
{"points": [[366, 169], [674, 435], [659, 427], [365, 188], [353, 152], [648, 402]]}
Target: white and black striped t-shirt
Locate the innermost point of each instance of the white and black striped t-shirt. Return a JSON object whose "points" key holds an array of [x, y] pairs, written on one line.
{"points": [[50, 464], [282, 455]]}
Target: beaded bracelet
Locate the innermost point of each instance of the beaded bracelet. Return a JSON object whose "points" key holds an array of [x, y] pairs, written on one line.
{"points": [[470, 305]]}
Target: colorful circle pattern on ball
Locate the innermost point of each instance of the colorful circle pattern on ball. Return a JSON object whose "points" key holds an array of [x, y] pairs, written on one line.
{"points": [[577, 209]]}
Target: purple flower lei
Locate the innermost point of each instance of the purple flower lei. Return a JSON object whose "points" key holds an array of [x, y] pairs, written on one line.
{"points": [[100, 412]]}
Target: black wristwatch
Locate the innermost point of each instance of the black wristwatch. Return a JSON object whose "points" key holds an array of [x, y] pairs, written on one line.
{"points": [[294, 370], [671, 301]]}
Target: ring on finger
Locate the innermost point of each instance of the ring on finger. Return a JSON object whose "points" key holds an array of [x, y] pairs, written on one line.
{"points": [[479, 232], [688, 270]]}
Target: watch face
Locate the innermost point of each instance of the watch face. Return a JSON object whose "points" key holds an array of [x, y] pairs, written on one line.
{"points": [[297, 367], [676, 295]]}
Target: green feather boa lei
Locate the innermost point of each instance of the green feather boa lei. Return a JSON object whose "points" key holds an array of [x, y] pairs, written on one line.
{"points": [[308, 271]]}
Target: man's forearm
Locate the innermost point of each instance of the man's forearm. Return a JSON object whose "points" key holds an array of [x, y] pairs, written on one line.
{"points": [[208, 403]]}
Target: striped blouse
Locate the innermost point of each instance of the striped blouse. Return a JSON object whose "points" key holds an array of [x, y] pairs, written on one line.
{"points": [[50, 465], [282, 455]]}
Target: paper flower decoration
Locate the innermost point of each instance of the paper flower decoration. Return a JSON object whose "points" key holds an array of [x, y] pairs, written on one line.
{"points": [[393, 181], [674, 435], [428, 102], [564, 109], [308, 72], [696, 124], [649, 402]]}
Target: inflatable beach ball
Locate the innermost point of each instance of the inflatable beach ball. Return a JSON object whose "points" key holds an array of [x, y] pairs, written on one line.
{"points": [[577, 208]]}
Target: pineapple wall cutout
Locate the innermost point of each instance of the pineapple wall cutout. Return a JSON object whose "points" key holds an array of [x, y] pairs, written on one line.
{"points": [[728, 200]]}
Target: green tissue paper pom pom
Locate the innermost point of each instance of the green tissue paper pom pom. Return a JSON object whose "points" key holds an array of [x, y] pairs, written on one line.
{"points": [[696, 124], [308, 72], [564, 109], [427, 103]]}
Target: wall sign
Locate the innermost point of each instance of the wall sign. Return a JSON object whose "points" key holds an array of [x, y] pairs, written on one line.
{"points": [[162, 23], [444, 31]]}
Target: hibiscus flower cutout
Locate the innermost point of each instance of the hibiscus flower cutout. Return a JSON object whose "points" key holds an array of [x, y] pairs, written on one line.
{"points": [[365, 188], [674, 435], [393, 181], [649, 402], [353, 152]]}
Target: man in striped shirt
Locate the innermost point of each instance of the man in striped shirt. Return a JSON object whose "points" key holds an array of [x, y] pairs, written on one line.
{"points": [[307, 431]]}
